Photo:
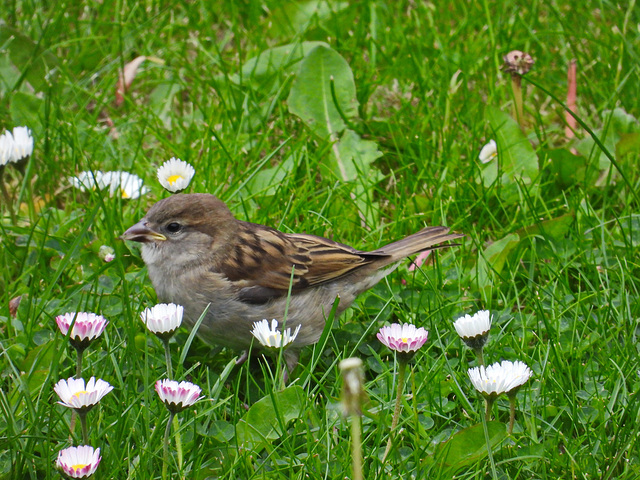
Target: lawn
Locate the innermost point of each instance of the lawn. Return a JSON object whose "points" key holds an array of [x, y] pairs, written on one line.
{"points": [[362, 122]]}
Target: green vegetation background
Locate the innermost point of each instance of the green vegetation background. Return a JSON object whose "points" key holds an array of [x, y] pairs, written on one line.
{"points": [[551, 247]]}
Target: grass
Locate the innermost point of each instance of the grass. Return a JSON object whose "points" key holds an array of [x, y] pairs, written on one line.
{"points": [[553, 256]]}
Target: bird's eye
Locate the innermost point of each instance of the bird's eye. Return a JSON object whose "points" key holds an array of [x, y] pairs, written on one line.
{"points": [[174, 227]]}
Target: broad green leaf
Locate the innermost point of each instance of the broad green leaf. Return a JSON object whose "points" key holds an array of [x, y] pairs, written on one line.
{"points": [[469, 445], [310, 97], [569, 169], [352, 156], [493, 259], [261, 72], [517, 160], [588, 148], [25, 55], [555, 228], [295, 17], [270, 180], [266, 419], [629, 143], [26, 110]]}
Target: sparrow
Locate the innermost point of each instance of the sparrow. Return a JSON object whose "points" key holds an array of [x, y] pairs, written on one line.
{"points": [[200, 256]]}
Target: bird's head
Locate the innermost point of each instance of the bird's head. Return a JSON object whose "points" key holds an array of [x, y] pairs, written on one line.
{"points": [[183, 228]]}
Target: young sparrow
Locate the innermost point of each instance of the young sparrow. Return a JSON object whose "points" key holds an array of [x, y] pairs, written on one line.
{"points": [[198, 255]]}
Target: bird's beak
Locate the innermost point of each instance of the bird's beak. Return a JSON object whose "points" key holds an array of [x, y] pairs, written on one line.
{"points": [[140, 232]]}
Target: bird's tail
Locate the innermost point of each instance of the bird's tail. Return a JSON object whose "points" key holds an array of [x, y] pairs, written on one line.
{"points": [[428, 238]]}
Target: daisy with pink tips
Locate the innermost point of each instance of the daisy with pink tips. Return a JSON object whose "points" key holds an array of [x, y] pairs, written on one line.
{"points": [[87, 327], [178, 396], [405, 338], [78, 462]]}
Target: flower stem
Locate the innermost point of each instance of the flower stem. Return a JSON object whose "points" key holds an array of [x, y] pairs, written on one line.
{"points": [[165, 456], [512, 412], [479, 355], [402, 368], [356, 447], [176, 429], [167, 358], [79, 353], [516, 86], [485, 429], [7, 198], [488, 402], [83, 422]]}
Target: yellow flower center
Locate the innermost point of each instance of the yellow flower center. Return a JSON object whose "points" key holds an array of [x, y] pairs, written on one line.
{"points": [[79, 466], [124, 193], [77, 394], [405, 340], [173, 179]]}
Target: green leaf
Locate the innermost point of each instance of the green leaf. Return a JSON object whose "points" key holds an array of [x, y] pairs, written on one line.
{"points": [[517, 160], [352, 156], [266, 420], [270, 180], [493, 259], [295, 17], [261, 72], [569, 169], [311, 99], [629, 143], [36, 64], [555, 228], [26, 110], [469, 445]]}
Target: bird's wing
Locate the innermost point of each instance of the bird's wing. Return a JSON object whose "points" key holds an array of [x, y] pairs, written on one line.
{"points": [[262, 262]]}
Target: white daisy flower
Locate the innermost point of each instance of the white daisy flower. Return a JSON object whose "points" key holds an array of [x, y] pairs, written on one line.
{"points": [[6, 148], [125, 185], [271, 337], [74, 394], [78, 462], [177, 396], [87, 181], [499, 378], [22, 143], [488, 152], [471, 326], [175, 174], [163, 319]]}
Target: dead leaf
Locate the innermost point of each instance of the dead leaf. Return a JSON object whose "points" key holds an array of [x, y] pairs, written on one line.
{"points": [[127, 77]]}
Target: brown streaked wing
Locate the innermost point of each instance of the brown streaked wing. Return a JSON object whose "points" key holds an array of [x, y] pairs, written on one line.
{"points": [[261, 262]]}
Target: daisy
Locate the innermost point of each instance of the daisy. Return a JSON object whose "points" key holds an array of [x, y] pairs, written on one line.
{"points": [[75, 394], [106, 253], [175, 174], [403, 338], [271, 337], [86, 181], [471, 326], [87, 327], [474, 331], [488, 152], [6, 148], [22, 143], [177, 396], [494, 380], [163, 319], [78, 462], [125, 185]]}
